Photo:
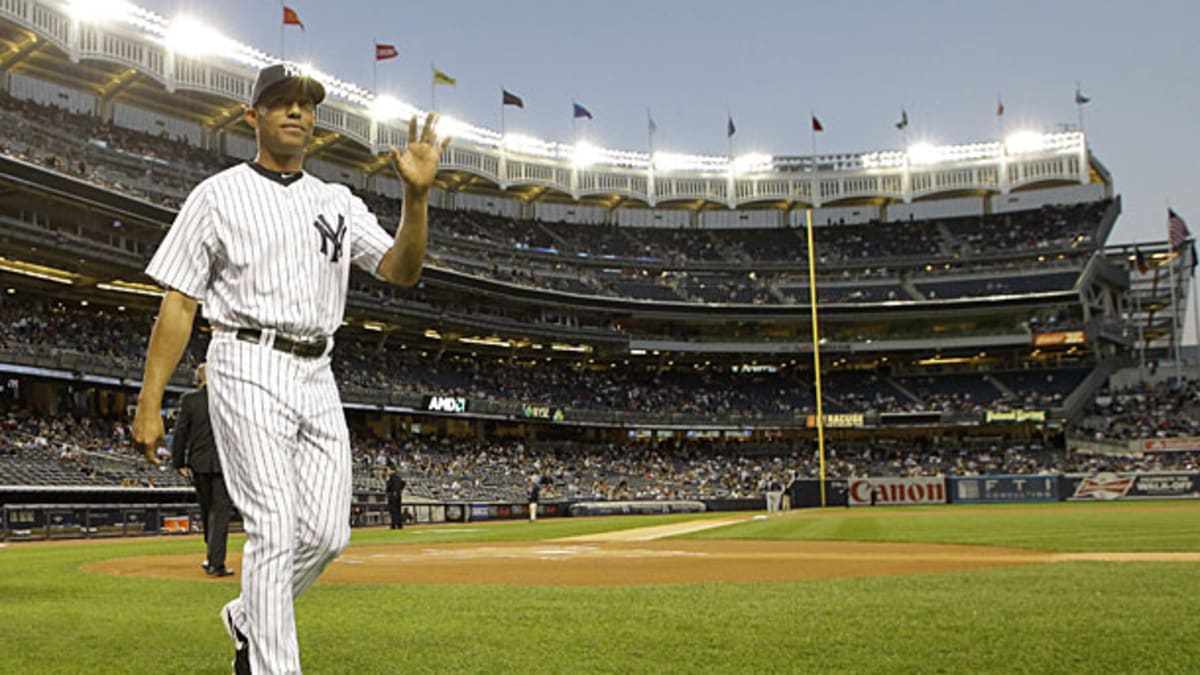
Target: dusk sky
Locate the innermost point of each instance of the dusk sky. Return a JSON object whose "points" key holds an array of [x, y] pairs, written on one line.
{"points": [[770, 62]]}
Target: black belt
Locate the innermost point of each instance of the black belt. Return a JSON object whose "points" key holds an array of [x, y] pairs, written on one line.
{"points": [[308, 349]]}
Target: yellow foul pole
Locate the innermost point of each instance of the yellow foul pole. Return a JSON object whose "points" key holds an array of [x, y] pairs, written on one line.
{"points": [[816, 346]]}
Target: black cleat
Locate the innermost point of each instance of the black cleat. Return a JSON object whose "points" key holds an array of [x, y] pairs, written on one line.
{"points": [[241, 659], [219, 572]]}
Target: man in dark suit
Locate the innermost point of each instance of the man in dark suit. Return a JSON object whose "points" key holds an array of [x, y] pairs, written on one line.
{"points": [[535, 495], [194, 456], [395, 497]]}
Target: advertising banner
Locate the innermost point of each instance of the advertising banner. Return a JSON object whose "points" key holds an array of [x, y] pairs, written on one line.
{"points": [[1189, 444], [1003, 488], [1014, 416], [1071, 337], [445, 404], [885, 491], [543, 412], [837, 420], [1112, 486]]}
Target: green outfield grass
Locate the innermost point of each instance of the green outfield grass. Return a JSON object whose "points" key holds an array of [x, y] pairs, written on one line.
{"points": [[1065, 617]]}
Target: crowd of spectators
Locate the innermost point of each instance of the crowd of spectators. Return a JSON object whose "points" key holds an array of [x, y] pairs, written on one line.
{"points": [[561, 256], [1164, 410], [71, 450], [100, 336], [66, 450]]}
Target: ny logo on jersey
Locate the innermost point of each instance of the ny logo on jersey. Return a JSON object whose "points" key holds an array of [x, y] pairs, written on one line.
{"points": [[331, 236]]}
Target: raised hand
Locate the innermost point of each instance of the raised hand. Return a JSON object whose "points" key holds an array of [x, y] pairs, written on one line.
{"points": [[418, 164]]}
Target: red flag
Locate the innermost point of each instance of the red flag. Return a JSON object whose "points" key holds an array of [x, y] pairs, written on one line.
{"points": [[999, 108], [385, 52], [816, 124], [291, 18]]}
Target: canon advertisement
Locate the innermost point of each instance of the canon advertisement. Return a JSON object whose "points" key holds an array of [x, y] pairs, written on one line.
{"points": [[924, 490]]}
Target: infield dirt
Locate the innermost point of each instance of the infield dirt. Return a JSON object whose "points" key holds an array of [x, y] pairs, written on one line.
{"points": [[631, 557]]}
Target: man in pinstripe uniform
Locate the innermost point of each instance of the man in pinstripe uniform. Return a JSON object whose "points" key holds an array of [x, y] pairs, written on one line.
{"points": [[267, 249]]}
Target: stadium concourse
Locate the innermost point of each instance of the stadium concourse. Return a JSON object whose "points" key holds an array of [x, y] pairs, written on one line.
{"points": [[617, 333]]}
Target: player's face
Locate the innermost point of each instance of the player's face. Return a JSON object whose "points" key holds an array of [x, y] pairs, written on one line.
{"points": [[284, 122]]}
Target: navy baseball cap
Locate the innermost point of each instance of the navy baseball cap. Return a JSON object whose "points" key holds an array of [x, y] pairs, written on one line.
{"points": [[278, 75]]}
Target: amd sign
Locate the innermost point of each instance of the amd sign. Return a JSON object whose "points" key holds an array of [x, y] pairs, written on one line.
{"points": [[446, 404]]}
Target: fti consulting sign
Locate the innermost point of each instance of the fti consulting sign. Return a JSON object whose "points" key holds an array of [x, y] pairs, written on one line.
{"points": [[1011, 488]]}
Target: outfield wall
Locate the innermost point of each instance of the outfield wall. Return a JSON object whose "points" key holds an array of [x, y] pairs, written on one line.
{"points": [[997, 489], [58, 516]]}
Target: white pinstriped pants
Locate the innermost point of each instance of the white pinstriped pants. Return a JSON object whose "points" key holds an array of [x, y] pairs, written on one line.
{"points": [[285, 452]]}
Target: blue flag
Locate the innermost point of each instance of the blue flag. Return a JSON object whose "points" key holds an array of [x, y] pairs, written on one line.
{"points": [[581, 111], [730, 130]]}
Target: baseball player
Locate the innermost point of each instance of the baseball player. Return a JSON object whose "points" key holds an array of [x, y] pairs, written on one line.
{"points": [[267, 248]]}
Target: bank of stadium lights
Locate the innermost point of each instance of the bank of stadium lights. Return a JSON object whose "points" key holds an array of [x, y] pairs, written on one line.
{"points": [[666, 162], [921, 154], [584, 155], [388, 108], [98, 11], [754, 162], [528, 145], [458, 129], [191, 37], [1026, 141]]}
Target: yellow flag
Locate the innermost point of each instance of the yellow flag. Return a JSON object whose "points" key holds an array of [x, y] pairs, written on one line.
{"points": [[441, 78]]}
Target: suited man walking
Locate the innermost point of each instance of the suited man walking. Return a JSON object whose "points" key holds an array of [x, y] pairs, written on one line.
{"points": [[395, 497], [194, 456]]}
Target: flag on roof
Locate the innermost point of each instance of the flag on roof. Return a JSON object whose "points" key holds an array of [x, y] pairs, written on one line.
{"points": [[650, 125], [385, 52], [441, 78], [581, 111], [1177, 230], [816, 124], [903, 123], [999, 107], [730, 130], [291, 18], [510, 98], [1080, 99]]}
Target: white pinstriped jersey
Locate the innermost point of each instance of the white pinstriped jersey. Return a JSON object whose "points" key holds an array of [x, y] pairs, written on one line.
{"points": [[266, 253]]}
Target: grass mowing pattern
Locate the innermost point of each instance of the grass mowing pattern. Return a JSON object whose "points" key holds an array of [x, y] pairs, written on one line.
{"points": [[1122, 617]]}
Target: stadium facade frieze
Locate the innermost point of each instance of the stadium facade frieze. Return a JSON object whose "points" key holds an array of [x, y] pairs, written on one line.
{"points": [[144, 42]]}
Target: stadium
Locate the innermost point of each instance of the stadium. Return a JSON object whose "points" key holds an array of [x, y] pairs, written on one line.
{"points": [[896, 410]]}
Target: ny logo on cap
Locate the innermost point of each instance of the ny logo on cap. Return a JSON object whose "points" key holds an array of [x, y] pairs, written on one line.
{"points": [[331, 236]]}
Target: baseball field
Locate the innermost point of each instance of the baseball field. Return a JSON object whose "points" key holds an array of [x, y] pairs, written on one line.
{"points": [[1003, 589]]}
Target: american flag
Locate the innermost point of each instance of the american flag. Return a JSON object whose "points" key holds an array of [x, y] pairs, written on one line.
{"points": [[1177, 230]]}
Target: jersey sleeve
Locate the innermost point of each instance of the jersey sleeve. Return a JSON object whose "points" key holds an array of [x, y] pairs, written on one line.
{"points": [[369, 241], [183, 259]]}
